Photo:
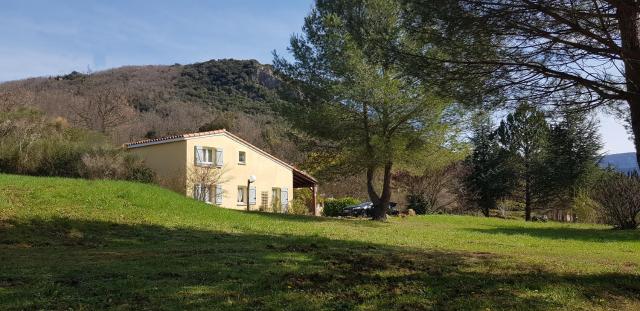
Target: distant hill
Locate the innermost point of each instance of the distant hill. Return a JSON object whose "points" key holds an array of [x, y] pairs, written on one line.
{"points": [[239, 95], [623, 162], [225, 84]]}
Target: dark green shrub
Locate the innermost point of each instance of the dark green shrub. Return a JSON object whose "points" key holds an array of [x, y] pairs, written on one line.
{"points": [[137, 171], [417, 203], [300, 203], [334, 207]]}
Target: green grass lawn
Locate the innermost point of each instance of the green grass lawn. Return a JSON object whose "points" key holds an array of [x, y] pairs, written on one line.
{"points": [[77, 244]]}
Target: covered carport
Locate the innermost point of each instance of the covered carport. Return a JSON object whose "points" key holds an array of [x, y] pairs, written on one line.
{"points": [[303, 180]]}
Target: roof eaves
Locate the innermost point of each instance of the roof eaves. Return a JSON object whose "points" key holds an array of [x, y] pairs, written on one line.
{"points": [[305, 174], [169, 139]]}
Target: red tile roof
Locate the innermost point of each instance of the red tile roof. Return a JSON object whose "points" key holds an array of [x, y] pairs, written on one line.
{"points": [[172, 137]]}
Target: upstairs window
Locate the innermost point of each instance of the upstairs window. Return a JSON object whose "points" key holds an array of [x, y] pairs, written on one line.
{"points": [[204, 156], [242, 157]]}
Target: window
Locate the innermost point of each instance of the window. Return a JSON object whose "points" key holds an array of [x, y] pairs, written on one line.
{"points": [[242, 195], [284, 200], [242, 157], [204, 156], [219, 194], [202, 193], [275, 200]]}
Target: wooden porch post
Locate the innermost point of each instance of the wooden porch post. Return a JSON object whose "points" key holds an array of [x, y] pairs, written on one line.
{"points": [[314, 199]]}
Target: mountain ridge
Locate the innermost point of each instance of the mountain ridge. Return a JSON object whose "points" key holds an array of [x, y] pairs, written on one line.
{"points": [[625, 162]]}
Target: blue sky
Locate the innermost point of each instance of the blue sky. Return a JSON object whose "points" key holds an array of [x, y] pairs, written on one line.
{"points": [[53, 37], [40, 38]]}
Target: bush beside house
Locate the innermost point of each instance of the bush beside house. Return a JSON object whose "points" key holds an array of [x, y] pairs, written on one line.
{"points": [[32, 144], [334, 207]]}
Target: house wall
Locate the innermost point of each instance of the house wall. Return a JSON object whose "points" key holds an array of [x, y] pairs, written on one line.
{"points": [[168, 161], [269, 173]]}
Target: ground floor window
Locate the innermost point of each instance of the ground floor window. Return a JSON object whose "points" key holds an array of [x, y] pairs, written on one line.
{"points": [[276, 205], [202, 193], [242, 194]]}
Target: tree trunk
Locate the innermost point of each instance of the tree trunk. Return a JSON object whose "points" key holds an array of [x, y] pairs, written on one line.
{"points": [[527, 199], [381, 207], [634, 107], [485, 211], [371, 191], [628, 14]]}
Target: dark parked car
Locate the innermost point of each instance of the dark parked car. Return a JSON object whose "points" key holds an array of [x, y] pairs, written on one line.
{"points": [[365, 209]]}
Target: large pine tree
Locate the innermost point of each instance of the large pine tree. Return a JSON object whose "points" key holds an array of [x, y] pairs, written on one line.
{"points": [[574, 150], [578, 53], [523, 134], [490, 177], [350, 93]]}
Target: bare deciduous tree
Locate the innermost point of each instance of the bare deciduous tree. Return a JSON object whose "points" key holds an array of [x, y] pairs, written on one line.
{"points": [[619, 198], [12, 99], [206, 177], [430, 186], [103, 110]]}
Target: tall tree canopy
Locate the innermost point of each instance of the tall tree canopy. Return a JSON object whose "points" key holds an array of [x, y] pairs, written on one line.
{"points": [[351, 93], [574, 151], [539, 162], [524, 135], [490, 177], [578, 53]]}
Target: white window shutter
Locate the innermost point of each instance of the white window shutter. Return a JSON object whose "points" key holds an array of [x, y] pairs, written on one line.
{"points": [[284, 199], [196, 192], [219, 157], [196, 155], [252, 195], [218, 194], [207, 193]]}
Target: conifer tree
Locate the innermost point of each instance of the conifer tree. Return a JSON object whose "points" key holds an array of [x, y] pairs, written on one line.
{"points": [[489, 177], [523, 134]]}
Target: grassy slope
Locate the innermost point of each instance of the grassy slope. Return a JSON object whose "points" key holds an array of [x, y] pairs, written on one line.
{"points": [[99, 244]]}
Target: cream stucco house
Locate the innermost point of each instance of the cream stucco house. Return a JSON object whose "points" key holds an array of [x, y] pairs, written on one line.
{"points": [[220, 168]]}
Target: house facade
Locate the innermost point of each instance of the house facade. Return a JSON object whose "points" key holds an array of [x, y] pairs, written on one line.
{"points": [[221, 168]]}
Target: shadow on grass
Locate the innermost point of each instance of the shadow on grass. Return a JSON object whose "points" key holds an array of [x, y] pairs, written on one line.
{"points": [[64, 263], [357, 221], [578, 234]]}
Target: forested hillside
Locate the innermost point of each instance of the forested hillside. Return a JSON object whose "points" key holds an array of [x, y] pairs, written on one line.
{"points": [[135, 102]]}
